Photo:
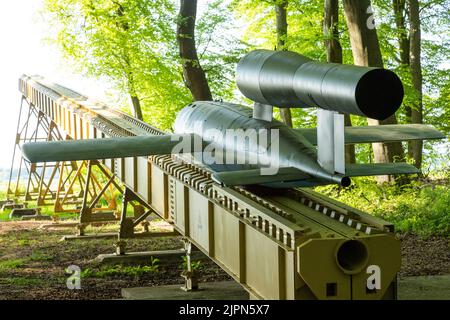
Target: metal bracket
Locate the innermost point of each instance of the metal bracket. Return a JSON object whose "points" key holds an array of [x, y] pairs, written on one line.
{"points": [[189, 275], [81, 229], [331, 141], [120, 247], [262, 112]]}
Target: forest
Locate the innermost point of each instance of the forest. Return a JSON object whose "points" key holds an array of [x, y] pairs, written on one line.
{"points": [[160, 55]]}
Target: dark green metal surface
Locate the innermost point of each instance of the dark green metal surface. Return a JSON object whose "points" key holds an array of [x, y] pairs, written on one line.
{"points": [[287, 79], [253, 176], [385, 133], [92, 149], [379, 169], [293, 151]]}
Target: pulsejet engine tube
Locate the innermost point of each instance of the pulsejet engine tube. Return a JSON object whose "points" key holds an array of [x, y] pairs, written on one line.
{"points": [[289, 80]]}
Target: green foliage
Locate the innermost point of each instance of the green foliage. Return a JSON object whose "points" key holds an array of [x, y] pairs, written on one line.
{"points": [[41, 256], [435, 17], [132, 45], [25, 242], [11, 264], [422, 207], [195, 265], [305, 35], [129, 43], [4, 216], [23, 281], [120, 270], [219, 49]]}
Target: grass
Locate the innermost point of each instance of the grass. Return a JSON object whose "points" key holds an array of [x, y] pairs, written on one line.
{"points": [[8, 265], [422, 208], [41, 256], [195, 265], [26, 242], [122, 270], [4, 215]]}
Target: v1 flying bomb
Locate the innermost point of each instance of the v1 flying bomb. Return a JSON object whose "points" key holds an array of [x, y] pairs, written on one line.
{"points": [[245, 146]]}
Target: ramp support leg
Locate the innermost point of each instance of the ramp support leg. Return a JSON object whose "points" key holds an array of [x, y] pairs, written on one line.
{"points": [[189, 275]]}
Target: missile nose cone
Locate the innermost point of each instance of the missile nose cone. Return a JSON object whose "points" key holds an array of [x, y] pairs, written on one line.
{"points": [[379, 93]]}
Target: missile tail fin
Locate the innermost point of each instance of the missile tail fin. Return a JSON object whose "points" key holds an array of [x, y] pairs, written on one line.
{"points": [[379, 169], [255, 176]]}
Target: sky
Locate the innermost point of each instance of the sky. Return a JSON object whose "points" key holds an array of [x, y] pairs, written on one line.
{"points": [[23, 51]]}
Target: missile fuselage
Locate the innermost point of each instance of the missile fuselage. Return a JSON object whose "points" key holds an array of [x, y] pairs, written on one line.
{"points": [[218, 124]]}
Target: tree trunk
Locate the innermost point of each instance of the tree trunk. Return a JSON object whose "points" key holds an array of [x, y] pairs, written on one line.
{"points": [[331, 31], [137, 107], [194, 76], [415, 147], [282, 27], [366, 52], [400, 13], [334, 54], [403, 39]]}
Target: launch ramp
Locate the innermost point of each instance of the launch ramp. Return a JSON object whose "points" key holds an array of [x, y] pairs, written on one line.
{"points": [[290, 244]]}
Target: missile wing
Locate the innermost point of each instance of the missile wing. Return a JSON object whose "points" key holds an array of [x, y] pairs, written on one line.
{"points": [[294, 176], [108, 148], [383, 133]]}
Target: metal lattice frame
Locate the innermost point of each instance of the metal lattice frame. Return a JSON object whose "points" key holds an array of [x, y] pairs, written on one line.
{"points": [[67, 186]]}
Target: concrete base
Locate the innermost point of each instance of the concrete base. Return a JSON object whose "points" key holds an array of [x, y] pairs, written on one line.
{"points": [[36, 217], [56, 225], [59, 225], [411, 288], [225, 290], [3, 202], [111, 235], [10, 206], [424, 288], [154, 234], [23, 212], [103, 216], [165, 257]]}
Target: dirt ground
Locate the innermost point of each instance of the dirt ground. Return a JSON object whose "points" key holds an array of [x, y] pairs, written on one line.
{"points": [[33, 263], [422, 257]]}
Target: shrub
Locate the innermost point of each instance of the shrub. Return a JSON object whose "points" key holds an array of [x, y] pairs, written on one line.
{"points": [[419, 207]]}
